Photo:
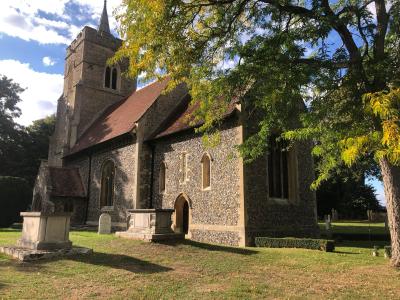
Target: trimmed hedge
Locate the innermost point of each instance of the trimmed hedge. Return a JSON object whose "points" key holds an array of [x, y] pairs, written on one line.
{"points": [[316, 244], [15, 196]]}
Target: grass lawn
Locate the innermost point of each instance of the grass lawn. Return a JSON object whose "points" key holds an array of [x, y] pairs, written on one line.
{"points": [[356, 227], [122, 268]]}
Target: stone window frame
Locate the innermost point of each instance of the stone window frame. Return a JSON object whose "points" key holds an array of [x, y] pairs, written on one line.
{"points": [[292, 166], [209, 158], [111, 69], [183, 172], [107, 208], [162, 179]]}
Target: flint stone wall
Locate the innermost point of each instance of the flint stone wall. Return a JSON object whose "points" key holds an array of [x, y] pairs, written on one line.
{"points": [[124, 181], [295, 216], [229, 238], [79, 208], [217, 206]]}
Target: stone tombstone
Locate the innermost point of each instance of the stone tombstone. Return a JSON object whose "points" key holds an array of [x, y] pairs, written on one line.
{"points": [[104, 224], [327, 222], [335, 216], [43, 231]]}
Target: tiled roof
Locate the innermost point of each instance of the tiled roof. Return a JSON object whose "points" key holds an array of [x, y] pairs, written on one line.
{"points": [[120, 118], [66, 182], [181, 119]]}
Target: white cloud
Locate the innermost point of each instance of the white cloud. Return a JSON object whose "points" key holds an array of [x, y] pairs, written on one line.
{"points": [[42, 89], [372, 9], [96, 7], [48, 61], [20, 18]]}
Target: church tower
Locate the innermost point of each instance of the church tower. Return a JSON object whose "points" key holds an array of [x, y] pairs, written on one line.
{"points": [[90, 86]]}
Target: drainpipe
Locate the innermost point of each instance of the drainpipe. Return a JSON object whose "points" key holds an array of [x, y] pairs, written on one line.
{"points": [[88, 187], [152, 174]]}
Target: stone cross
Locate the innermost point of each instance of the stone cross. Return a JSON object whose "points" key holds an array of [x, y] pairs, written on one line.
{"points": [[104, 224]]}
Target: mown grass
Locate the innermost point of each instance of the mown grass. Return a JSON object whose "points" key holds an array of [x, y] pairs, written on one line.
{"points": [[356, 227], [121, 268]]}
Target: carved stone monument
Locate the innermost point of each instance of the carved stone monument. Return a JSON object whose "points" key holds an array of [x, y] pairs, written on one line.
{"points": [[44, 235], [150, 225], [43, 231], [104, 224]]}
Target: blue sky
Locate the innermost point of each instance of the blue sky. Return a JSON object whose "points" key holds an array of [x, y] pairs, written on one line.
{"points": [[33, 37]]}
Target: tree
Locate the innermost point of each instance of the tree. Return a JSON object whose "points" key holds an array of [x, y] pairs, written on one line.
{"points": [[342, 58], [21, 148], [36, 146], [15, 196], [11, 134], [348, 193]]}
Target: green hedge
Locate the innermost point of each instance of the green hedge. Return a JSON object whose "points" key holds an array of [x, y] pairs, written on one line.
{"points": [[15, 196], [316, 244]]}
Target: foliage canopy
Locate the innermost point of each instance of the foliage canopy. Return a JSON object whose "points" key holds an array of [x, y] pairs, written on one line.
{"points": [[340, 58], [21, 148]]}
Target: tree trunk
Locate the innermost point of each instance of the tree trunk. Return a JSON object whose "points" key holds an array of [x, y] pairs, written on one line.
{"points": [[391, 183]]}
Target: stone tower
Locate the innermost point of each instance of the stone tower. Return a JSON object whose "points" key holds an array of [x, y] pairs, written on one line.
{"points": [[90, 86]]}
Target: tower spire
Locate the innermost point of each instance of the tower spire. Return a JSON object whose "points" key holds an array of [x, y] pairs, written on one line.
{"points": [[104, 26]]}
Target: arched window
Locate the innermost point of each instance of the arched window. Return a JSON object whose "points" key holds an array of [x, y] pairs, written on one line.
{"points": [[107, 184], [111, 78], [206, 171], [107, 77], [162, 177], [114, 79], [278, 171]]}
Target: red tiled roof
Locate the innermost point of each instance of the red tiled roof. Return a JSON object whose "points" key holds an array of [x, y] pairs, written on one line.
{"points": [[120, 118], [66, 182], [182, 118]]}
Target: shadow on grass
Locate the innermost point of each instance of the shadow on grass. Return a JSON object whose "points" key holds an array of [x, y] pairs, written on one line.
{"points": [[344, 252], [362, 244], [114, 261], [118, 261], [210, 247], [9, 230]]}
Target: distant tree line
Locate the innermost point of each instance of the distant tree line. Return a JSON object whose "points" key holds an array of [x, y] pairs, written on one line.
{"points": [[349, 195]]}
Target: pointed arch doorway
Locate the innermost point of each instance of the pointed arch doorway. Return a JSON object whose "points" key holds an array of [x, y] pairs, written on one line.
{"points": [[182, 214]]}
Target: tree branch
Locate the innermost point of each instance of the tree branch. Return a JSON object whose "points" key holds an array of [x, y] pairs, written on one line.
{"points": [[382, 25]]}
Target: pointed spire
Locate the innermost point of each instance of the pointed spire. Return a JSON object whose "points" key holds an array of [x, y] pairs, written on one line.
{"points": [[104, 26]]}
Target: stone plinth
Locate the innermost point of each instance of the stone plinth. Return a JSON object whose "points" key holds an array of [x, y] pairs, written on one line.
{"points": [[43, 231], [150, 225], [26, 255]]}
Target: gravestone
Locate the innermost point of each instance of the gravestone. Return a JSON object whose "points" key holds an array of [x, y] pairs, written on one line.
{"points": [[335, 216], [327, 222], [104, 224]]}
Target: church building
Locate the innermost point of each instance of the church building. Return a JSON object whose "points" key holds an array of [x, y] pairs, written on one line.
{"points": [[118, 147]]}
